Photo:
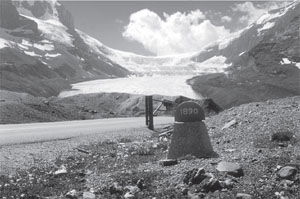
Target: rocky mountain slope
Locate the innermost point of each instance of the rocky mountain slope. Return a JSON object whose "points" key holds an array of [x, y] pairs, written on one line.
{"points": [[25, 108], [265, 61], [41, 51]]}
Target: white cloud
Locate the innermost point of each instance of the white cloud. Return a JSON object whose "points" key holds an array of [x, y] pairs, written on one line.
{"points": [[226, 19], [253, 12], [172, 34]]}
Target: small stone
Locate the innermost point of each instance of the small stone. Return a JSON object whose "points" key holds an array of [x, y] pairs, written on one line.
{"points": [[194, 176], [228, 183], [185, 191], [129, 195], [287, 172], [132, 189], [212, 185], [168, 162], [282, 144], [72, 194], [116, 189], [62, 170], [140, 184], [232, 169], [286, 183], [193, 196], [88, 195], [229, 124], [230, 150], [282, 136], [243, 196]]}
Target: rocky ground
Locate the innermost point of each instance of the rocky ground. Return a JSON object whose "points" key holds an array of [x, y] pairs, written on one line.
{"points": [[24, 108], [258, 157]]}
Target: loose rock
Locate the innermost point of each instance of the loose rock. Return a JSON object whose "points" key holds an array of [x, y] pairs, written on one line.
{"points": [[229, 124], [62, 170], [140, 184], [243, 196], [287, 172], [116, 189], [194, 176], [72, 194], [212, 185], [228, 183], [184, 191], [129, 195], [230, 168], [132, 189], [88, 195], [281, 136], [168, 162]]}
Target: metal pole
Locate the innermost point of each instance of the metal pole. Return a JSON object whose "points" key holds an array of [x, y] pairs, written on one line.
{"points": [[151, 126], [147, 110]]}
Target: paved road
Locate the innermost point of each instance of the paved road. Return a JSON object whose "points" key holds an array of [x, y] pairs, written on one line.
{"points": [[23, 133]]}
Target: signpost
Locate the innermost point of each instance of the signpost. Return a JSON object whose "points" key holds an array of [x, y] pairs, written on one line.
{"points": [[149, 112], [190, 135]]}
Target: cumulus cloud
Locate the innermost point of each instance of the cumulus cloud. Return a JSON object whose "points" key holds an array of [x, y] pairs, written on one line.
{"points": [[173, 34], [226, 19], [252, 12]]}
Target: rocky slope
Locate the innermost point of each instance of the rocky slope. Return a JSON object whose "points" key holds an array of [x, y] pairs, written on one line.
{"points": [[265, 61], [41, 51], [25, 108], [258, 157]]}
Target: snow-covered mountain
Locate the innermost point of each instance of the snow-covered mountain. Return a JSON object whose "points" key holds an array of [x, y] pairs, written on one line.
{"points": [[265, 61], [42, 52]]}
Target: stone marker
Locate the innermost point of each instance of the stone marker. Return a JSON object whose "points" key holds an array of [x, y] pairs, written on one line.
{"points": [[189, 112], [190, 135]]}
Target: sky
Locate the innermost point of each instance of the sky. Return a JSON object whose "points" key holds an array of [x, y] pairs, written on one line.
{"points": [[161, 28]]}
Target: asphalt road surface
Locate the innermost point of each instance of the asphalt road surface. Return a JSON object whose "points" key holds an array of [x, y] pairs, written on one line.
{"points": [[33, 132]]}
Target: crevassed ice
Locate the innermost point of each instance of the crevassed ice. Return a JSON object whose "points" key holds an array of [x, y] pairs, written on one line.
{"points": [[266, 26], [268, 16], [285, 61], [52, 55], [41, 46], [4, 43], [53, 30], [32, 53]]}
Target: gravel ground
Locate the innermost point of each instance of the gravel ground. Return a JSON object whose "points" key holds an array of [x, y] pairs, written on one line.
{"points": [[261, 138]]}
